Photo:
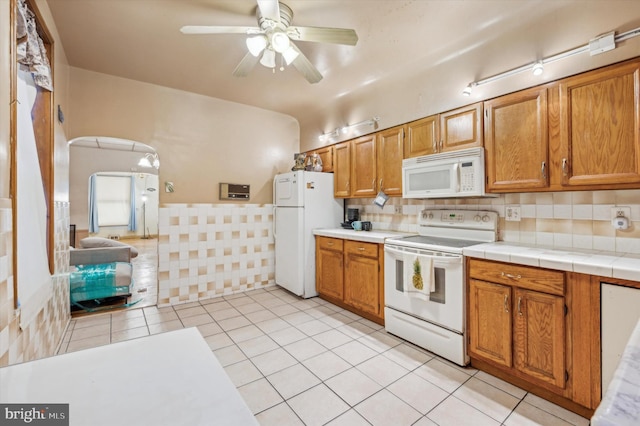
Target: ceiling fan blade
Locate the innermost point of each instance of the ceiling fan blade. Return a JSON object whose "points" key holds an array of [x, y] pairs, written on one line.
{"points": [[270, 9], [246, 65], [323, 35], [305, 67], [216, 29]]}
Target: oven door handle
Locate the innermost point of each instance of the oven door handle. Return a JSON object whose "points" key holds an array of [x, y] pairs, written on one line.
{"points": [[438, 259]]}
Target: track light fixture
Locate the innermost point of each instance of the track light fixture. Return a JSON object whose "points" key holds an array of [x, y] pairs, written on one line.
{"points": [[598, 45], [344, 130], [538, 68]]}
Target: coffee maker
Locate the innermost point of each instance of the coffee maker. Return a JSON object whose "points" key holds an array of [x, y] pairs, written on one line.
{"points": [[352, 216]]}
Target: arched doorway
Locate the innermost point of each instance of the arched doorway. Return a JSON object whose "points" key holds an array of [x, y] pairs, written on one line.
{"points": [[110, 160]]}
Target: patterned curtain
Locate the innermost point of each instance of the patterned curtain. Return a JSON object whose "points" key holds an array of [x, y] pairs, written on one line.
{"points": [[31, 50]]}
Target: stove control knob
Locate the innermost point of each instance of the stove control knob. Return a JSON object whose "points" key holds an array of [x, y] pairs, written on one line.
{"points": [[477, 218], [430, 216], [486, 218]]}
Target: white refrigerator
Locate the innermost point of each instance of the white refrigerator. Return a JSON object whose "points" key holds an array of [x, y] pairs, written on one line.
{"points": [[302, 202]]}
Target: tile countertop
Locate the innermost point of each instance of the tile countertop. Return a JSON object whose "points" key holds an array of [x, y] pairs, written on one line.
{"points": [[592, 262], [169, 378], [620, 405], [364, 236]]}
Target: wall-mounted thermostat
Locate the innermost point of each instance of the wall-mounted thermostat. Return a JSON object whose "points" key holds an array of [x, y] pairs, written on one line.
{"points": [[234, 191]]}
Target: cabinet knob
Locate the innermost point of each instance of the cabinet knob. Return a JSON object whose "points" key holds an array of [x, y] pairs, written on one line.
{"points": [[565, 166], [380, 184], [506, 303], [361, 248], [544, 170]]}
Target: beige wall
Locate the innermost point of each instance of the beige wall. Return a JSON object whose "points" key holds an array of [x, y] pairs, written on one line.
{"points": [[201, 141]]}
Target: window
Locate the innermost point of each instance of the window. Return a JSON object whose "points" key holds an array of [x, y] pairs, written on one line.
{"points": [[113, 195]]}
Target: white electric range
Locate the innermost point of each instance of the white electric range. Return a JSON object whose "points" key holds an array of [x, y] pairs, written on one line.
{"points": [[429, 311]]}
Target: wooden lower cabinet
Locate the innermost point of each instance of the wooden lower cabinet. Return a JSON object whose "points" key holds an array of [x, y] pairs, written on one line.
{"points": [[490, 316], [535, 328], [350, 274], [329, 267]]}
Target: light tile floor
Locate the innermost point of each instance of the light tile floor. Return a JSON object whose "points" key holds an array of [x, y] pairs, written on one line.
{"points": [[309, 362]]}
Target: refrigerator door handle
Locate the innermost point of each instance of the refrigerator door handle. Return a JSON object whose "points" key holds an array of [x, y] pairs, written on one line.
{"points": [[274, 221]]}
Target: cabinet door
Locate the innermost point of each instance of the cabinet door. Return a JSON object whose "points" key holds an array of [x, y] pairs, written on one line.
{"points": [[490, 322], [422, 137], [600, 126], [326, 155], [516, 141], [361, 288], [539, 337], [389, 158], [363, 166], [461, 128], [342, 170], [329, 273]]}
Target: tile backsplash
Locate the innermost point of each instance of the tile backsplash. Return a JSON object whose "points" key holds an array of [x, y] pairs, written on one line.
{"points": [[208, 250], [578, 219]]}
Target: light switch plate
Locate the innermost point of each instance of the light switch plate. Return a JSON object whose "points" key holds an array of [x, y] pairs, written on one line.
{"points": [[512, 213]]}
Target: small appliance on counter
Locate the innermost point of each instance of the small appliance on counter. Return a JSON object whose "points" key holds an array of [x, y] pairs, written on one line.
{"points": [[353, 215]]}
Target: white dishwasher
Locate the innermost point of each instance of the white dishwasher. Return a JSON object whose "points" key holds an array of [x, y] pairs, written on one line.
{"points": [[619, 315]]}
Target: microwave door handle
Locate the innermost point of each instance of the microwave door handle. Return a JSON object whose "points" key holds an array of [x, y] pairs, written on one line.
{"points": [[456, 168]]}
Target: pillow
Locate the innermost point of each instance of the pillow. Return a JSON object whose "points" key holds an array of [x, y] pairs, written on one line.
{"points": [[97, 242]]}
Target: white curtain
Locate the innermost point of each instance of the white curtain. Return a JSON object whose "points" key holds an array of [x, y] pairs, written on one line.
{"points": [[34, 278]]}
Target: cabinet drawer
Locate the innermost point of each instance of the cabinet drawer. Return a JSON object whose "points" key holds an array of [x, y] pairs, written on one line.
{"points": [[527, 277], [330, 243], [361, 249]]}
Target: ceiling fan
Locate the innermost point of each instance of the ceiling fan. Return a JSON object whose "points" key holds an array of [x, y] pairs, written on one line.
{"points": [[274, 35]]}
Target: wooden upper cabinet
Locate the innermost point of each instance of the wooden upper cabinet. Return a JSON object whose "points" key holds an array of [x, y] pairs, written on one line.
{"points": [[600, 126], [450, 131], [461, 128], [342, 170], [422, 137], [516, 141], [390, 144], [326, 156], [363, 166]]}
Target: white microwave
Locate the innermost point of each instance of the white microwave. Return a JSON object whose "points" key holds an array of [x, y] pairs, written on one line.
{"points": [[447, 175]]}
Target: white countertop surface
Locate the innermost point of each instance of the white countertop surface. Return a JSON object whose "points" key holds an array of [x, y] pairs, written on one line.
{"points": [[364, 236], [167, 379], [592, 262], [620, 404]]}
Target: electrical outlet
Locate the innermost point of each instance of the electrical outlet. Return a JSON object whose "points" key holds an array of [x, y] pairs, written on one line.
{"points": [[618, 211], [512, 213], [398, 209]]}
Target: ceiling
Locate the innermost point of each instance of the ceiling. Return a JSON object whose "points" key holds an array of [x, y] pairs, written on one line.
{"points": [[435, 46]]}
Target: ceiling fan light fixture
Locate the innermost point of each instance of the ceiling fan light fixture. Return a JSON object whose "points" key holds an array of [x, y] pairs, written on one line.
{"points": [[280, 41], [256, 44], [290, 55], [268, 58]]}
